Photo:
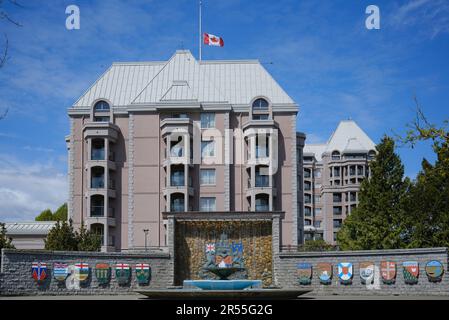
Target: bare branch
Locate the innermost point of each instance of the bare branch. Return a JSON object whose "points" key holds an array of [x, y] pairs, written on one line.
{"points": [[4, 114], [4, 56]]}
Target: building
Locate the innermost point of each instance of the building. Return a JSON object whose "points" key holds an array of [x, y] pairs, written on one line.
{"points": [[29, 235], [182, 136], [333, 172]]}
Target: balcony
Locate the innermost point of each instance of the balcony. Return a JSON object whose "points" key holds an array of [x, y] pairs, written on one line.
{"points": [[101, 130]]}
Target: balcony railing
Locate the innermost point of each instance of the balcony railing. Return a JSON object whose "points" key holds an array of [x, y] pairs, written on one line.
{"points": [[97, 211], [97, 183]]}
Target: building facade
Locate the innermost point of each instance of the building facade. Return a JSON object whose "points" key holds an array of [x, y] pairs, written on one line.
{"points": [[182, 136], [332, 175]]}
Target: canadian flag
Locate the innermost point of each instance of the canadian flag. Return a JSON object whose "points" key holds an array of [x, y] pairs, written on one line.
{"points": [[211, 40]]}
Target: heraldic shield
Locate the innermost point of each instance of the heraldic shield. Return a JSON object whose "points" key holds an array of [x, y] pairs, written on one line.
{"points": [[434, 270], [367, 272], [388, 272], [304, 273], [103, 273], [39, 271], [60, 271], [143, 273], [324, 271], [82, 271], [122, 273], [410, 270], [345, 272]]}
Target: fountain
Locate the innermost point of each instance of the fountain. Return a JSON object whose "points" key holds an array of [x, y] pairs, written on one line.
{"points": [[223, 259]]}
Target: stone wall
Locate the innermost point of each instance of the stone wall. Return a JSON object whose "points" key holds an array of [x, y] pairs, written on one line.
{"points": [[286, 271], [16, 276]]}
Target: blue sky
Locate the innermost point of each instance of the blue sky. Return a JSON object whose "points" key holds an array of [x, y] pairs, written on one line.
{"points": [[321, 54]]}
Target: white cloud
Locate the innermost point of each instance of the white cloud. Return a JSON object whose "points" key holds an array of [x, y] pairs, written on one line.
{"points": [[28, 188]]}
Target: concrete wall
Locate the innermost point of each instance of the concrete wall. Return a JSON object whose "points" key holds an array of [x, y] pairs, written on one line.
{"points": [[16, 277], [286, 271]]}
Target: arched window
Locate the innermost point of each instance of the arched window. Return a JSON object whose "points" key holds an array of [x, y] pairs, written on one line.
{"points": [[371, 154], [101, 106], [335, 155], [97, 206], [260, 109], [260, 105]]}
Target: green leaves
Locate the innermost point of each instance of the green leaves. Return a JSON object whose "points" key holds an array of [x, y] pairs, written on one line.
{"points": [[376, 222], [5, 242], [62, 237], [59, 215]]}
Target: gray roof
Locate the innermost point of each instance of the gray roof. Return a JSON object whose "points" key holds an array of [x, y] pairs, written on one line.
{"points": [[348, 137], [183, 79], [29, 228]]}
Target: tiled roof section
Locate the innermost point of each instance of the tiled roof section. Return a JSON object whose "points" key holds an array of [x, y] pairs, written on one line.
{"points": [[121, 83], [182, 67], [346, 138], [349, 136], [29, 228], [229, 81], [241, 81], [316, 149]]}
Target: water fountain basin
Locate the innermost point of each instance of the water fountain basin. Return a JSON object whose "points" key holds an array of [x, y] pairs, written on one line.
{"points": [[222, 284]]}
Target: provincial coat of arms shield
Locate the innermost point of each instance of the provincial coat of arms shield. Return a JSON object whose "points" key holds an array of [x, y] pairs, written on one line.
{"points": [[434, 270], [143, 273], [410, 271], [39, 271], [324, 271], [60, 271], [304, 273], [122, 273], [367, 272], [82, 271], [388, 272], [345, 272], [103, 273]]}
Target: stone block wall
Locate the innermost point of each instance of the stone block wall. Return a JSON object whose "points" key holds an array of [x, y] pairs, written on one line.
{"points": [[286, 272], [16, 276]]}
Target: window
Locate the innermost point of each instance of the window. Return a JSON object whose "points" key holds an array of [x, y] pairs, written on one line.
{"points": [[337, 210], [101, 119], [177, 203], [317, 185], [337, 223], [307, 198], [317, 211], [317, 199], [98, 150], [207, 204], [207, 120], [371, 155], [307, 211], [337, 197], [317, 173], [306, 173], [317, 224], [97, 206], [260, 116], [177, 176], [262, 203], [101, 106], [207, 177], [260, 105], [307, 185], [335, 155], [307, 222], [207, 149], [262, 180]]}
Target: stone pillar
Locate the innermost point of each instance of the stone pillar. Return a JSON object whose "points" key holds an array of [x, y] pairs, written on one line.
{"points": [[275, 242]]}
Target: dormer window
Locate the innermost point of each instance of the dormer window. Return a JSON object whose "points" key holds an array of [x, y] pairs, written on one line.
{"points": [[335, 155], [101, 106], [260, 109], [101, 111]]}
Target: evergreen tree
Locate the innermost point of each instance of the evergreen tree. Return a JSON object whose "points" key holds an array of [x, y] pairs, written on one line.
{"points": [[45, 215], [5, 242], [88, 240], [61, 237], [377, 221]]}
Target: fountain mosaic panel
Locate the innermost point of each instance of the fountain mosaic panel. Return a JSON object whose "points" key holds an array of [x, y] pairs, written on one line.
{"points": [[192, 237]]}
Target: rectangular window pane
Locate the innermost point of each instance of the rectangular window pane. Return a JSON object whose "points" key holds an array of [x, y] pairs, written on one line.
{"points": [[207, 176], [207, 204], [207, 149], [208, 120]]}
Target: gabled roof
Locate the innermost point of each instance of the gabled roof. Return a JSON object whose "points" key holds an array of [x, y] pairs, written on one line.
{"points": [[348, 137], [183, 79]]}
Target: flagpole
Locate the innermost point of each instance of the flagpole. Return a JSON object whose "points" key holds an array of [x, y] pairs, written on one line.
{"points": [[201, 36]]}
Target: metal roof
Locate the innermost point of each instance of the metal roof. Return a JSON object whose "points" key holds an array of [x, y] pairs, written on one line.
{"points": [[183, 78], [29, 228], [348, 137]]}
